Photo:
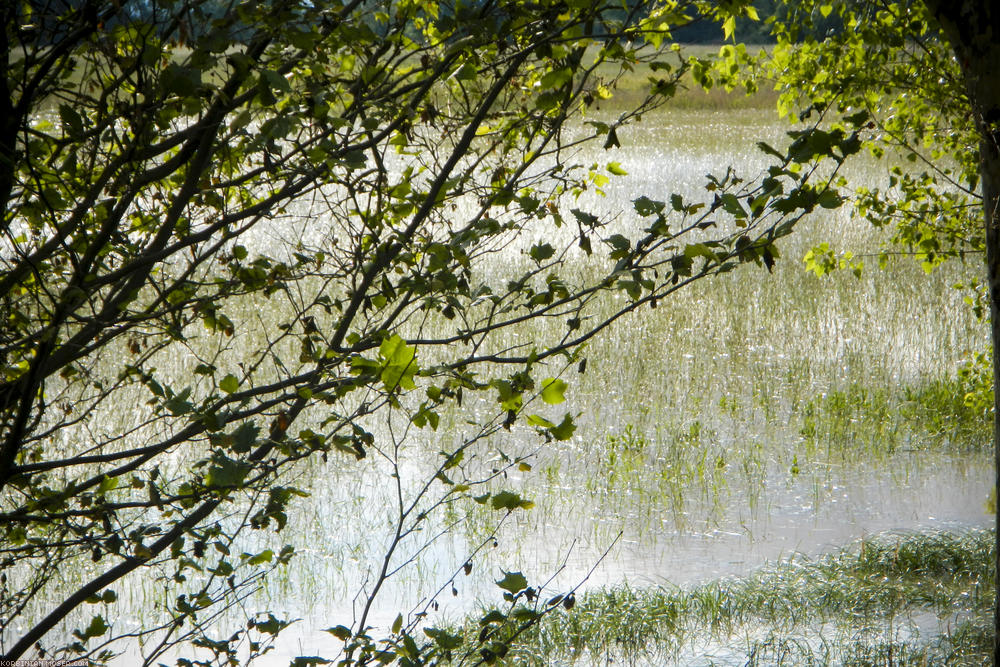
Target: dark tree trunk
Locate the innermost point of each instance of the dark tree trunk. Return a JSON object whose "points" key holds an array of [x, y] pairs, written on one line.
{"points": [[991, 197], [973, 28]]}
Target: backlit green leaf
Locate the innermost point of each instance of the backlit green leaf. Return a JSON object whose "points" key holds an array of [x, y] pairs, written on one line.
{"points": [[565, 429], [542, 252], [553, 390], [616, 169], [400, 363]]}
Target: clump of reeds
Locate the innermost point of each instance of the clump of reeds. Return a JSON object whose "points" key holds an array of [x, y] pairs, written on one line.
{"points": [[854, 607]]}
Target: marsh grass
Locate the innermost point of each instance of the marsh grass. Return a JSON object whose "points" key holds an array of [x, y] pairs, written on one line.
{"points": [[914, 599], [681, 471], [631, 85], [879, 421]]}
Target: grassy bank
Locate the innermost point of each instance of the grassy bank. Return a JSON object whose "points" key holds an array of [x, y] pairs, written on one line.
{"points": [[915, 599], [631, 86]]}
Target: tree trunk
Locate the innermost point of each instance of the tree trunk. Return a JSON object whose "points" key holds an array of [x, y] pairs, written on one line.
{"points": [[973, 28], [990, 171]]}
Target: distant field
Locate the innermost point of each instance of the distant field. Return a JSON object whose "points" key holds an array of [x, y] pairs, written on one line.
{"points": [[631, 86]]}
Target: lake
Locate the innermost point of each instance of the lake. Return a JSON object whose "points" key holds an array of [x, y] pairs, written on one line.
{"points": [[744, 419]]}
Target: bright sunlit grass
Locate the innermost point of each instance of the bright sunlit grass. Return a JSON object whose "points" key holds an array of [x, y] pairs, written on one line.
{"points": [[916, 599]]}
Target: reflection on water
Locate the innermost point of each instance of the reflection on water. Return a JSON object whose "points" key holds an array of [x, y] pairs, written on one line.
{"points": [[807, 513], [739, 357], [690, 461]]}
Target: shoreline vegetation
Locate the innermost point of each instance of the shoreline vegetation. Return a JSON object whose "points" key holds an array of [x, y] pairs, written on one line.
{"points": [[689, 95], [892, 599]]}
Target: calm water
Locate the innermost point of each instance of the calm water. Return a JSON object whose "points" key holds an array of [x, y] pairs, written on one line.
{"points": [[690, 427], [690, 461]]}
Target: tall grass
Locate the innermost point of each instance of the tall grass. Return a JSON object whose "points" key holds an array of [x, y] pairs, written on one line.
{"points": [[916, 599], [878, 421]]}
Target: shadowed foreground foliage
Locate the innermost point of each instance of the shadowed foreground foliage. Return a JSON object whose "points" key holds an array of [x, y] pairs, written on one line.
{"points": [[298, 231], [293, 233]]}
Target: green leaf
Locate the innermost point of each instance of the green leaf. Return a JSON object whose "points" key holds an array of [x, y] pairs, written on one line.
{"points": [[513, 582], [265, 556], [620, 244], [729, 26], [859, 118], [645, 206], [538, 420], [107, 484], [71, 120], [17, 535], [180, 80], [525, 614], [225, 472], [585, 218], [443, 638], [244, 437], [556, 78], [616, 169], [612, 141], [767, 148], [553, 390], [309, 661], [507, 396], [96, 628], [830, 199], [493, 616], [400, 364], [454, 459], [542, 252], [467, 72], [340, 632], [178, 404], [507, 500], [276, 81], [731, 204], [229, 384], [693, 250], [810, 143], [565, 429], [547, 101]]}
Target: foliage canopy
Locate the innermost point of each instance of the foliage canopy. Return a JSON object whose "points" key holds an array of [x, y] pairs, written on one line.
{"points": [[236, 241], [926, 73]]}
